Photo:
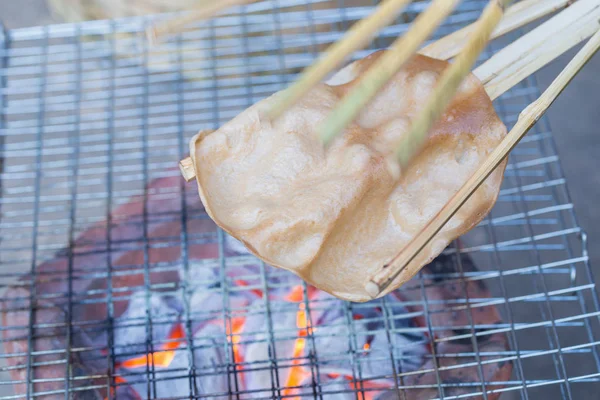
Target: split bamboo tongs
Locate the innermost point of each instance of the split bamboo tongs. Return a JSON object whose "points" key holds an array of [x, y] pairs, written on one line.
{"points": [[577, 21]]}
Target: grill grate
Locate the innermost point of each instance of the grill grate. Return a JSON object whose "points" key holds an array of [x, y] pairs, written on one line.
{"points": [[100, 237]]}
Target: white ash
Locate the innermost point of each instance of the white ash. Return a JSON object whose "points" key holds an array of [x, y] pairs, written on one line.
{"points": [[344, 352], [131, 328], [259, 351]]}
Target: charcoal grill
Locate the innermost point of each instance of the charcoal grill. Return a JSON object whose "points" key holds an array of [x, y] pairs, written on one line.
{"points": [[117, 285]]}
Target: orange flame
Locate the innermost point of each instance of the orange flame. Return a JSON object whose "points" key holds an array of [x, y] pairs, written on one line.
{"points": [[164, 356], [120, 380], [299, 373], [296, 295], [234, 329], [302, 323]]}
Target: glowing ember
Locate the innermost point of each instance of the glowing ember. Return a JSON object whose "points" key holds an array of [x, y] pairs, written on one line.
{"points": [[299, 373], [296, 295], [248, 346], [302, 323], [120, 381], [233, 330], [175, 337], [257, 292], [164, 356]]}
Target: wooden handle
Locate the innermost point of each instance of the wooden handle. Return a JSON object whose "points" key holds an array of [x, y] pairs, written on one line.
{"points": [[527, 119]]}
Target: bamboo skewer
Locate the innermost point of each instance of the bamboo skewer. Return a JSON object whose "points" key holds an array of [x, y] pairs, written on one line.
{"points": [[186, 166], [356, 38], [558, 25], [204, 10], [450, 81], [515, 17], [385, 68], [528, 54], [539, 58], [527, 119]]}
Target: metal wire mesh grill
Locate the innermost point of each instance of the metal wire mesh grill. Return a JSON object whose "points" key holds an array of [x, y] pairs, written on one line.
{"points": [[92, 117]]}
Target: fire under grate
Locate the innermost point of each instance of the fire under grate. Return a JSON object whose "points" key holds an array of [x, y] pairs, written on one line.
{"points": [[116, 284]]}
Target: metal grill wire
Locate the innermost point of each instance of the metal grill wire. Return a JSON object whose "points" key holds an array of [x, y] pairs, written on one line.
{"points": [[91, 114]]}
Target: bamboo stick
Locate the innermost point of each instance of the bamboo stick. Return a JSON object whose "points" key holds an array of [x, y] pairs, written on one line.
{"points": [[536, 55], [527, 119], [203, 10], [356, 38], [449, 82], [550, 30], [186, 166], [516, 16], [385, 68]]}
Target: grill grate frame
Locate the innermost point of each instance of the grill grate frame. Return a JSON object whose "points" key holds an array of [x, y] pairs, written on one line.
{"points": [[90, 115]]}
